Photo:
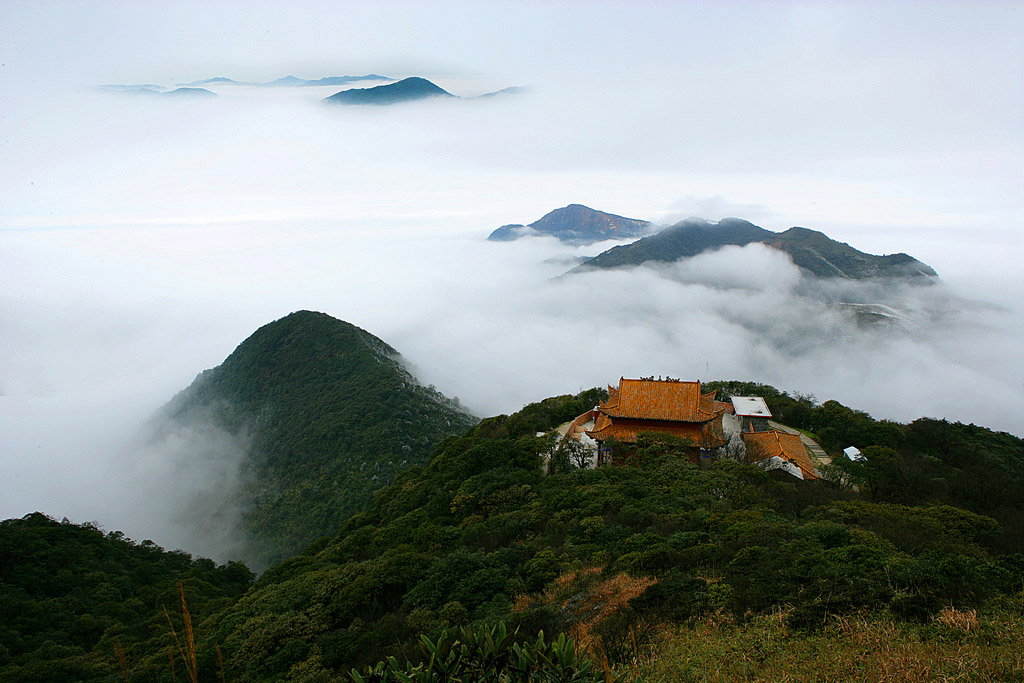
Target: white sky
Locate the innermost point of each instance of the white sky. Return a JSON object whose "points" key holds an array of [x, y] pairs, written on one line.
{"points": [[142, 239]]}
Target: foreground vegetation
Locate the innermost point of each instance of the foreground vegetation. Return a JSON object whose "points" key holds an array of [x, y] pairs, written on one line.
{"points": [[76, 602], [952, 646], [611, 556], [906, 567]]}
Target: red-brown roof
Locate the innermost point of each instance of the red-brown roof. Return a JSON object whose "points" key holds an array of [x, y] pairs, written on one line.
{"points": [[670, 400], [764, 445], [723, 407]]}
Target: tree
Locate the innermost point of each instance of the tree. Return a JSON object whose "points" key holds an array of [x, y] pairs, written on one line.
{"points": [[578, 454]]}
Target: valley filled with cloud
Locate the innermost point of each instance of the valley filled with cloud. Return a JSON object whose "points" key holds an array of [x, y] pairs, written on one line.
{"points": [[143, 239]]}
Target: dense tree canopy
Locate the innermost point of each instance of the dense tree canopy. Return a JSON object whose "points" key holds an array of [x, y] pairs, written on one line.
{"points": [[72, 596], [333, 416], [487, 533]]}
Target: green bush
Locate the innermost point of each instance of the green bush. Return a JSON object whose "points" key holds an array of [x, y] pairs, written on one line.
{"points": [[488, 654]]}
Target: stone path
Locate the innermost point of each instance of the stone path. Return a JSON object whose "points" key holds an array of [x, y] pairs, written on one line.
{"points": [[810, 444]]}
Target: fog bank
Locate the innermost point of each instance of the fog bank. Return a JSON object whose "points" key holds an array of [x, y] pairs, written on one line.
{"points": [[142, 239]]}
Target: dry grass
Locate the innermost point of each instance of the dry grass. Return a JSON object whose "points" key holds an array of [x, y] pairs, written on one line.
{"points": [[188, 649], [965, 620], [121, 661], [602, 601], [585, 599], [957, 646]]}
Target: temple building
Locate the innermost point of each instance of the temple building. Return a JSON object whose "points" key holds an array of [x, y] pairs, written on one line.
{"points": [[655, 405], [779, 451]]}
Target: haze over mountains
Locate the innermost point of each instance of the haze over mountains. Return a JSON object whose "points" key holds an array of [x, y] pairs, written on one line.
{"points": [[491, 529], [289, 81], [813, 252], [143, 238], [392, 91]]}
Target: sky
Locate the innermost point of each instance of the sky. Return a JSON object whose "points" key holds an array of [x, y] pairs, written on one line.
{"points": [[142, 239]]}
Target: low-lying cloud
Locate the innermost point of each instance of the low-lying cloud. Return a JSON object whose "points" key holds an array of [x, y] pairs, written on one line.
{"points": [[143, 240]]}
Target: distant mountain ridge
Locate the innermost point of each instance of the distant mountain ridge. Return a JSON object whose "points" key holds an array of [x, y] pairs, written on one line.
{"points": [[575, 224], [331, 415], [342, 80], [810, 250], [391, 92], [287, 81], [155, 90]]}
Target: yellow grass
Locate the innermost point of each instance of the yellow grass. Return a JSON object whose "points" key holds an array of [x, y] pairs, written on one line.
{"points": [[956, 646], [188, 649]]}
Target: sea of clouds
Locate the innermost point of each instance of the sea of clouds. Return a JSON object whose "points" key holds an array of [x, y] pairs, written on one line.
{"points": [[146, 238]]}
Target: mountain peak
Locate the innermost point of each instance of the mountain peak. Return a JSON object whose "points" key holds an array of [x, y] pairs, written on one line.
{"points": [[575, 224], [317, 404], [812, 251], [405, 90]]}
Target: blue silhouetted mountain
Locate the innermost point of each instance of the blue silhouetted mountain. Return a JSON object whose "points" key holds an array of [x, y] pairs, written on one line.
{"points": [[157, 91], [217, 80], [812, 251], [405, 90], [575, 224], [145, 88], [345, 80], [285, 82], [189, 92], [514, 90]]}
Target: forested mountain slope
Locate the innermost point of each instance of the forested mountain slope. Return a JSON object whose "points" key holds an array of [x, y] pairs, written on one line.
{"points": [[813, 252], [919, 570], [617, 555], [329, 414]]}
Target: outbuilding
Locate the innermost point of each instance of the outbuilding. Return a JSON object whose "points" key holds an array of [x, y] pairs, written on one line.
{"points": [[752, 412]]}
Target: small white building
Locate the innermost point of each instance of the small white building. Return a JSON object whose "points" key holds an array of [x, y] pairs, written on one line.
{"points": [[752, 412], [852, 453]]}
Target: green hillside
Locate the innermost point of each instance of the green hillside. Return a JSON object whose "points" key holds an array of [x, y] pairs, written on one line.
{"points": [[332, 416], [621, 556], [659, 570], [813, 252]]}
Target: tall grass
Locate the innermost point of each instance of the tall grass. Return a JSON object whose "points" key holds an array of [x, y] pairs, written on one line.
{"points": [[188, 649], [121, 661], [871, 648]]}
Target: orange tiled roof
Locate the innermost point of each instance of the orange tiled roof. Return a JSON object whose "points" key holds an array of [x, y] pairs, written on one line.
{"points": [[724, 407], [647, 399], [764, 445]]}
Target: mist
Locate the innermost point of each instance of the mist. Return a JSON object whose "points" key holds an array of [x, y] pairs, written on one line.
{"points": [[142, 239]]}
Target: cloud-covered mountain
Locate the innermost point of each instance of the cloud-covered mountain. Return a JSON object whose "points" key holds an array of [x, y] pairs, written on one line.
{"points": [[287, 81], [301, 423], [156, 90], [405, 90], [216, 80], [575, 224], [813, 252], [342, 80], [190, 92]]}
